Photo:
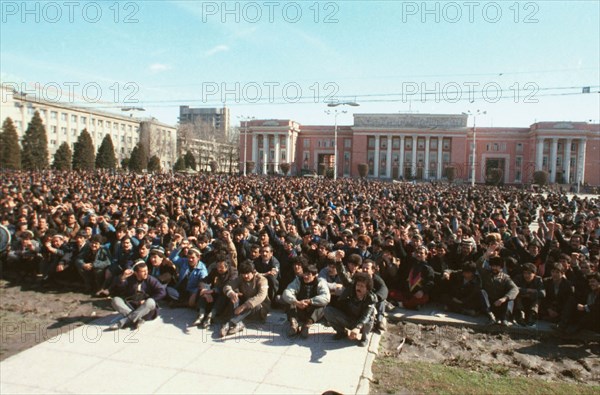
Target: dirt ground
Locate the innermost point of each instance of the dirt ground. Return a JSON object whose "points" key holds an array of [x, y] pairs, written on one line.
{"points": [[541, 356], [31, 314]]}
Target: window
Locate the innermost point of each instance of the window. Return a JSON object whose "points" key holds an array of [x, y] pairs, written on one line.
{"points": [[519, 147], [93, 121], [129, 129], [122, 139], [73, 118], [123, 127], [100, 123], [53, 129], [63, 116], [30, 110], [518, 161], [84, 120], [408, 144], [115, 126], [384, 142], [52, 142], [283, 155], [420, 143], [63, 130], [53, 115], [446, 144], [129, 139], [122, 150], [19, 125], [396, 143], [73, 132], [433, 143], [306, 143], [371, 142], [347, 143]]}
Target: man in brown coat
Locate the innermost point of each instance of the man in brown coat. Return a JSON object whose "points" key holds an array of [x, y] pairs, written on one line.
{"points": [[247, 297]]}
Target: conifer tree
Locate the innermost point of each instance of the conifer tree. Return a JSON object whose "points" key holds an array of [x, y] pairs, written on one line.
{"points": [[190, 160], [154, 164], [106, 159], [35, 145], [10, 151], [63, 157], [84, 157]]}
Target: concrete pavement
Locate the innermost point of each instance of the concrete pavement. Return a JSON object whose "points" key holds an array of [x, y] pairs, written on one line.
{"points": [[165, 356]]}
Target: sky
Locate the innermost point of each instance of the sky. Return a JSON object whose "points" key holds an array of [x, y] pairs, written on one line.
{"points": [[520, 62]]}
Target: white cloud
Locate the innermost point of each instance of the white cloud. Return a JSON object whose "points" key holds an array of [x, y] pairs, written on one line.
{"points": [[217, 49], [158, 68]]}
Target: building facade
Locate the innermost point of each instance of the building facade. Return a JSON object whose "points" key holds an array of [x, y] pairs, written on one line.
{"points": [[423, 146], [208, 122], [65, 122]]}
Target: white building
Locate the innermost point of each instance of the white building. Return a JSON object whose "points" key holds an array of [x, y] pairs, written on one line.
{"points": [[64, 122]]}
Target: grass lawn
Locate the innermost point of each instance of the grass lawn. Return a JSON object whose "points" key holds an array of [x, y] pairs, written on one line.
{"points": [[393, 376]]}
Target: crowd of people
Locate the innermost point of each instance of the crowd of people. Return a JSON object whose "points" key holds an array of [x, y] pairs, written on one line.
{"points": [[342, 252]]}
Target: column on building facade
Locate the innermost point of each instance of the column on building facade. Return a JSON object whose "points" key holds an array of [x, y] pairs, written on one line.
{"points": [[427, 156], [581, 161], [288, 147], [439, 157], [413, 165], [265, 157], [277, 151], [552, 159], [254, 153], [376, 158], [388, 162], [539, 154], [567, 161], [401, 170]]}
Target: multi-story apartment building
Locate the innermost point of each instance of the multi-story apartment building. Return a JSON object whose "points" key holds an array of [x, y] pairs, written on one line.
{"points": [[422, 146], [64, 122], [209, 123]]}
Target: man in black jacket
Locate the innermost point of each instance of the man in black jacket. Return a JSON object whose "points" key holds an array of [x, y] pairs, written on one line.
{"points": [[135, 296], [355, 312]]}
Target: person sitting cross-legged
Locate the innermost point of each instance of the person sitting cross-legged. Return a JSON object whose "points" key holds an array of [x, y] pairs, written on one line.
{"points": [[354, 316], [135, 296], [247, 297], [307, 298], [211, 300]]}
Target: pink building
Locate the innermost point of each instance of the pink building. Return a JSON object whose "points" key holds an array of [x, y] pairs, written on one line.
{"points": [[422, 146]]}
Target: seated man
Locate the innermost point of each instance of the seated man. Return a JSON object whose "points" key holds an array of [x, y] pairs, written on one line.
{"points": [[333, 279], [92, 261], [354, 315], [587, 316], [464, 290], [531, 294], [191, 271], [416, 281], [211, 300], [380, 290], [269, 267], [248, 297], [307, 299], [559, 295], [498, 288], [135, 296]]}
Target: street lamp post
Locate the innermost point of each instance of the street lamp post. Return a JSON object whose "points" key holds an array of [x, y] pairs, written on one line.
{"points": [[335, 139], [474, 151]]}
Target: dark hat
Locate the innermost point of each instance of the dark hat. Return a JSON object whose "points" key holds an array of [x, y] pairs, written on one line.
{"points": [[81, 234], [529, 267]]}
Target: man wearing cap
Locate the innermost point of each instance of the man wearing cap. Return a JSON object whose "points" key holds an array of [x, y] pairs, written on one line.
{"points": [[498, 287], [135, 294], [93, 259], [25, 255], [531, 294], [463, 290], [161, 267], [248, 296], [57, 255]]}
